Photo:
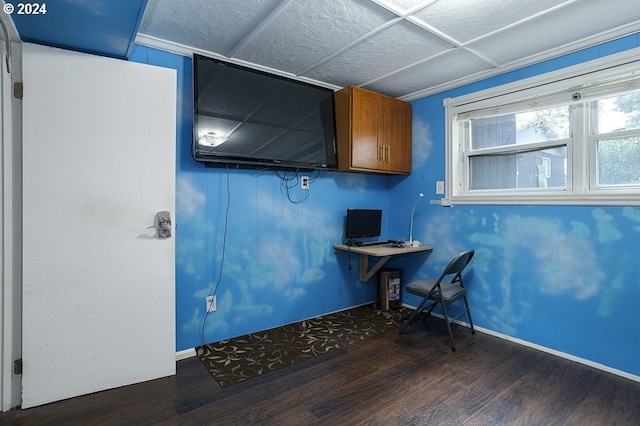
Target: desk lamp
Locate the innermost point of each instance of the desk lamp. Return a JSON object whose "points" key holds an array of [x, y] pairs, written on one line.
{"points": [[412, 243]]}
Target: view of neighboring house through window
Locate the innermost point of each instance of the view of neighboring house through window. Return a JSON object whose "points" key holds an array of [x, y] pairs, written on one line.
{"points": [[571, 140], [523, 150]]}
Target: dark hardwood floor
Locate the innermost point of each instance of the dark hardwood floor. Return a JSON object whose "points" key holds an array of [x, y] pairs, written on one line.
{"points": [[410, 379]]}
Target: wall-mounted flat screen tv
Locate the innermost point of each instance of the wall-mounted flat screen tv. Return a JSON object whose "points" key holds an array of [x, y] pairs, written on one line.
{"points": [[249, 118]]}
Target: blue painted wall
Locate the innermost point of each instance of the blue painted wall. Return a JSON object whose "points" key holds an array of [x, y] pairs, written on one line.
{"points": [[564, 277], [278, 266], [558, 276]]}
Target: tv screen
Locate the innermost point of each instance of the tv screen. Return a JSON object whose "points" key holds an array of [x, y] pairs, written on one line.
{"points": [[251, 118], [363, 223]]}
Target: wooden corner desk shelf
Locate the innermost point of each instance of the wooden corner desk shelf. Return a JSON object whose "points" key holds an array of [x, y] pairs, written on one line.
{"points": [[382, 251]]}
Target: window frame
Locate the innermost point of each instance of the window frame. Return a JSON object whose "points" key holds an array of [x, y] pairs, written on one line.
{"points": [[594, 138], [592, 80]]}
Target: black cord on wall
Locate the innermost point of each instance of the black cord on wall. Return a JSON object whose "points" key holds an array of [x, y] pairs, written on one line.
{"points": [[291, 179], [224, 246]]}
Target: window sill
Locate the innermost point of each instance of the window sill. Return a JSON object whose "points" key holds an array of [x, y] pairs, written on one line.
{"points": [[558, 199]]}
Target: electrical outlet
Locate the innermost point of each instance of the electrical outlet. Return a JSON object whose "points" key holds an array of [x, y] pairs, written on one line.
{"points": [[440, 187], [211, 303], [304, 182]]}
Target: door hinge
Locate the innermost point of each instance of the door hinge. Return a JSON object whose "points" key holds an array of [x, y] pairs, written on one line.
{"points": [[18, 90], [17, 366]]}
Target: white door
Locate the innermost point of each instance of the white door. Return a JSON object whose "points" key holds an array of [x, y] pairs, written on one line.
{"points": [[98, 163]]}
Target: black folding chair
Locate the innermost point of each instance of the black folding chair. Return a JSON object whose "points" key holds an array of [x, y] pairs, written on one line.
{"points": [[443, 293]]}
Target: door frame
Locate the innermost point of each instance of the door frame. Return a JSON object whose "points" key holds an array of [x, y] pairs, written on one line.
{"points": [[10, 218]]}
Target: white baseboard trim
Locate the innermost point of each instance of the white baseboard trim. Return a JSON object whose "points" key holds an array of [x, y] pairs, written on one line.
{"points": [[560, 354], [564, 355], [187, 353]]}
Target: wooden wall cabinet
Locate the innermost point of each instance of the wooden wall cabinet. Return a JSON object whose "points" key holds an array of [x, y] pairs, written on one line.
{"points": [[373, 132]]}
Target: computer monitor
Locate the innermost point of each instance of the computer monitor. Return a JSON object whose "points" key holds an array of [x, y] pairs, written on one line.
{"points": [[363, 223]]}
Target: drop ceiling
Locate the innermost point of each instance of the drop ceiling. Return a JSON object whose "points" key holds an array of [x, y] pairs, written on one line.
{"points": [[402, 48]]}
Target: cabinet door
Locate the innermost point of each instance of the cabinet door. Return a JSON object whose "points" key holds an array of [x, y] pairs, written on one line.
{"points": [[397, 136], [366, 148]]}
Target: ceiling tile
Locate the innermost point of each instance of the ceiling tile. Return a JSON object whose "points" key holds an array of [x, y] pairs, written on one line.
{"points": [[396, 47], [370, 43], [466, 20], [448, 67], [406, 5], [546, 33], [215, 26], [305, 32]]}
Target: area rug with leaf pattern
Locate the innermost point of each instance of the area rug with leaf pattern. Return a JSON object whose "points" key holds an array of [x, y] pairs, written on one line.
{"points": [[242, 358]]}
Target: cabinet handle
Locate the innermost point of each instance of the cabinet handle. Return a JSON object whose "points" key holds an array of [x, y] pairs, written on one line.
{"points": [[381, 153], [388, 153]]}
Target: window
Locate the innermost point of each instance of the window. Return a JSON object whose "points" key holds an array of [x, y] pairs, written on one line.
{"points": [[518, 151], [549, 140], [617, 141]]}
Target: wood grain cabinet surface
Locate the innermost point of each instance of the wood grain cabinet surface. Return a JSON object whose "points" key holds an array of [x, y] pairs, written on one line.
{"points": [[373, 132]]}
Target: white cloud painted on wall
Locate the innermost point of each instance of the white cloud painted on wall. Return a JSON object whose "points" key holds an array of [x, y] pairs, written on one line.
{"points": [[560, 261], [566, 262], [604, 224], [191, 252], [355, 181], [188, 199], [421, 142], [439, 228], [633, 214], [280, 257]]}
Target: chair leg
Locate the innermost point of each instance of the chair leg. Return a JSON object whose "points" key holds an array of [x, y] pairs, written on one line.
{"points": [[466, 304], [412, 316], [446, 320]]}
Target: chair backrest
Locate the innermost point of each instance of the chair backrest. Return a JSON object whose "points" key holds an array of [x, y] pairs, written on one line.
{"points": [[458, 263]]}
